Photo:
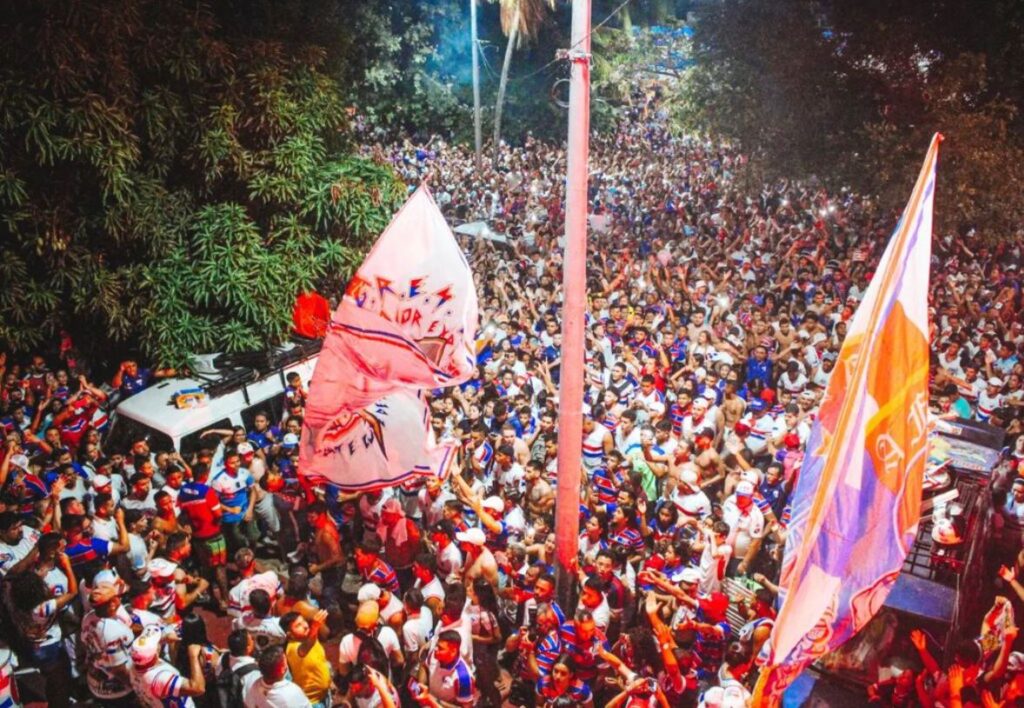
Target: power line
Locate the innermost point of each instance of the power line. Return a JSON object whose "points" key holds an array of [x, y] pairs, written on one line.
{"points": [[554, 61]]}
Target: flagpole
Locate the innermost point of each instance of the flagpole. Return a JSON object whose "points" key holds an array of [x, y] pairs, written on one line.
{"points": [[574, 286], [474, 47]]}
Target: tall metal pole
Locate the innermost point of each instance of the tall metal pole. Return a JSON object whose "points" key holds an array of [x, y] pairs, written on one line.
{"points": [[574, 286], [475, 46]]}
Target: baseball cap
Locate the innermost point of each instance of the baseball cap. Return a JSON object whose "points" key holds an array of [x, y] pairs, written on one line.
{"points": [[710, 395], [473, 536], [162, 569], [758, 406], [20, 461], [290, 440], [494, 504], [368, 592], [744, 489], [100, 481], [1016, 662], [245, 449], [102, 593], [147, 646], [690, 576], [995, 381]]}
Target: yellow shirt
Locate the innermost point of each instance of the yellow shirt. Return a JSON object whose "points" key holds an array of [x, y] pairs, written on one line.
{"points": [[311, 672]]}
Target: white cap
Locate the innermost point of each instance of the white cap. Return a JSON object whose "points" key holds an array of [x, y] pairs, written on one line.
{"points": [[162, 569], [245, 449], [20, 461], [474, 536], [700, 373], [290, 440], [819, 337], [146, 647], [995, 381], [100, 480], [803, 334], [699, 402], [494, 504], [753, 475], [367, 592], [744, 488], [690, 575], [107, 577]]}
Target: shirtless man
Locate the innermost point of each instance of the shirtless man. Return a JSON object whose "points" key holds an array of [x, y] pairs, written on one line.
{"points": [[329, 561], [784, 333], [518, 445], [732, 406], [540, 497], [480, 561]]}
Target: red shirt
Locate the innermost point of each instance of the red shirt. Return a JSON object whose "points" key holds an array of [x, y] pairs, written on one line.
{"points": [[202, 507]]}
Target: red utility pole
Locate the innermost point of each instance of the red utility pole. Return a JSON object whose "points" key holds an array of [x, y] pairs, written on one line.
{"points": [[574, 289]]}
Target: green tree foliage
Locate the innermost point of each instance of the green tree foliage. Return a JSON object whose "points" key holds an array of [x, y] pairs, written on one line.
{"points": [[851, 91], [167, 185]]}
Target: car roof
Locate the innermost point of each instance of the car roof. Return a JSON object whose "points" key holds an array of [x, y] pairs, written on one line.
{"points": [[154, 406]]}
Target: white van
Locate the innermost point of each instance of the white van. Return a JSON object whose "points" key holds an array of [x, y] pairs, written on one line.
{"points": [[234, 389]]}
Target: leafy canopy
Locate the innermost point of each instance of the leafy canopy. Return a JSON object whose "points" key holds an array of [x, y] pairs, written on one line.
{"points": [[167, 185]]}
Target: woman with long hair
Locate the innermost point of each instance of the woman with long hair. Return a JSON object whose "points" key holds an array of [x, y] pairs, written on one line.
{"points": [[562, 683], [34, 612], [482, 613]]}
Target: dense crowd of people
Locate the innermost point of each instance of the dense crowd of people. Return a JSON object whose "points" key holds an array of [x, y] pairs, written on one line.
{"points": [[715, 316]]}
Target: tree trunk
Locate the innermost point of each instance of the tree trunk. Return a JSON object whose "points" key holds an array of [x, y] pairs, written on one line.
{"points": [[662, 11], [474, 47], [513, 35]]}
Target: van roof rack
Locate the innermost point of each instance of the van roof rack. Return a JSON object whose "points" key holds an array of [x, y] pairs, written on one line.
{"points": [[242, 368]]}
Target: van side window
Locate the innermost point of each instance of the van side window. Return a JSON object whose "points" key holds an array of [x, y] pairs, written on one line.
{"points": [[273, 407], [193, 442]]}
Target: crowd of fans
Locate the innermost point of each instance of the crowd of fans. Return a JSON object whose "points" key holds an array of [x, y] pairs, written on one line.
{"points": [[715, 316]]}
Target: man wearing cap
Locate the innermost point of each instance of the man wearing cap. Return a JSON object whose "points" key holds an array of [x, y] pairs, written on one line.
{"points": [[367, 624], [480, 562], [747, 527], [990, 399], [691, 501], [107, 638], [158, 684]]}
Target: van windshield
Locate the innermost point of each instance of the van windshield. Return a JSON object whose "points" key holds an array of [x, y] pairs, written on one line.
{"points": [[125, 432]]}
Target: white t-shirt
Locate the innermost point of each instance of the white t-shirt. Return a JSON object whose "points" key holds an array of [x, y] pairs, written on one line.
{"points": [[12, 555], [283, 694], [265, 631], [159, 686], [743, 528], [348, 649], [107, 642], [238, 596], [417, 631]]}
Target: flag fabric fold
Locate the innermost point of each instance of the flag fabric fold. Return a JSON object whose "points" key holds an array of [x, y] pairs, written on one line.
{"points": [[406, 322], [857, 503]]}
